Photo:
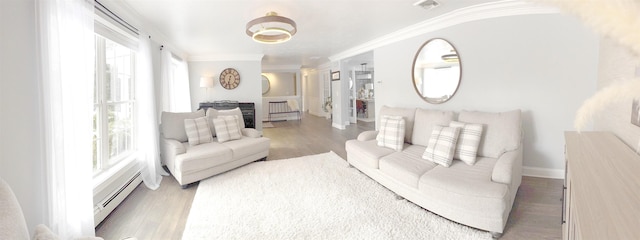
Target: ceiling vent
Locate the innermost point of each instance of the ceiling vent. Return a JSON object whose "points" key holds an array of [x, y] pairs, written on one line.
{"points": [[426, 4]]}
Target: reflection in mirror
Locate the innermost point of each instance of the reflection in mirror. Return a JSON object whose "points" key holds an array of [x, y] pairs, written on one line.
{"points": [[280, 84], [436, 71], [265, 84]]}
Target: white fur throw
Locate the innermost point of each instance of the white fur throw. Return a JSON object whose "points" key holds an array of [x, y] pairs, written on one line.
{"points": [[618, 19]]}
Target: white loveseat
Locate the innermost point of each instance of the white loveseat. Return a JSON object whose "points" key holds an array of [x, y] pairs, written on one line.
{"points": [[191, 163], [479, 195]]}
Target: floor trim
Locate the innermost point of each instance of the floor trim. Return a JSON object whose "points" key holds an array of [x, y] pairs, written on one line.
{"points": [[543, 172]]}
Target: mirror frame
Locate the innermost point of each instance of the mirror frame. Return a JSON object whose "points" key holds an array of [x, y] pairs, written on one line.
{"points": [[413, 69], [265, 78]]}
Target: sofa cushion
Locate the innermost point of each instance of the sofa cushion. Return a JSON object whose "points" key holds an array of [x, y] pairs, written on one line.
{"points": [[425, 120], [469, 187], [391, 133], [227, 128], [407, 113], [213, 114], [406, 166], [202, 156], [502, 131], [442, 145], [247, 146], [368, 152], [197, 131], [173, 124], [468, 141]]}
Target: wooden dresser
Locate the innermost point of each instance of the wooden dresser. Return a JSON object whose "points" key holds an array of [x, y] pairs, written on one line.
{"points": [[602, 188]]}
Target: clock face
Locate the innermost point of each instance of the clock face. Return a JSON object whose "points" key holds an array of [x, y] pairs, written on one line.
{"points": [[229, 78]]}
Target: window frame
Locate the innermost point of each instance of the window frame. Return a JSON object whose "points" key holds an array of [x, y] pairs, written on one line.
{"points": [[104, 164]]}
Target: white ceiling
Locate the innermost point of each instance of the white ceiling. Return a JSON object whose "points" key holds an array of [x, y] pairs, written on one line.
{"points": [[205, 28]]}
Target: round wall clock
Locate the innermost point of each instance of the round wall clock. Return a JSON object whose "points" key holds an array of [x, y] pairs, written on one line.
{"points": [[229, 78]]}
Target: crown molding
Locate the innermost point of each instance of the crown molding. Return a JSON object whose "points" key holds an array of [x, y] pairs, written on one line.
{"points": [[325, 66], [279, 68], [124, 10], [226, 57], [459, 16]]}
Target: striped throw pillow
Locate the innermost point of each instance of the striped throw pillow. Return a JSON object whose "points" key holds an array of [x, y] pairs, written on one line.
{"points": [[468, 141], [197, 131], [391, 133], [442, 145], [227, 128]]}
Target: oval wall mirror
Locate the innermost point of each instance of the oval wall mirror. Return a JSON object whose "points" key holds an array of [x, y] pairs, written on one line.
{"points": [[265, 84], [436, 71]]}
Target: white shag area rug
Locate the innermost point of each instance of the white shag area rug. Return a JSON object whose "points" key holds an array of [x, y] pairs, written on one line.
{"points": [[311, 197]]}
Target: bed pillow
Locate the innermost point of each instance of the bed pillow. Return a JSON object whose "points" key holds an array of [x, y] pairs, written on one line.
{"points": [[468, 141], [442, 145], [197, 131], [391, 133], [227, 128]]}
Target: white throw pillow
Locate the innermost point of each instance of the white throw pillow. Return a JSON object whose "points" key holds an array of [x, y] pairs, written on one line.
{"points": [[213, 114], [391, 133], [468, 141], [442, 145], [43, 232], [227, 128], [197, 131]]}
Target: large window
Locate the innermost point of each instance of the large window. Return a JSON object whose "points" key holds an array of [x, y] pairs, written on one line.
{"points": [[114, 103]]}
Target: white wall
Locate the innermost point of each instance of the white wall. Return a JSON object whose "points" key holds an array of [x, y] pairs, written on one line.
{"points": [[21, 149], [249, 89], [617, 65], [281, 84], [545, 65]]}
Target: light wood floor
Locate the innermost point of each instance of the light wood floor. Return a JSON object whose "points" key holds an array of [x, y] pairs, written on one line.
{"points": [[162, 214]]}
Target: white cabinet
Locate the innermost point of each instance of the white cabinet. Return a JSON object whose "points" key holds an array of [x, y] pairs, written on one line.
{"points": [[602, 188]]}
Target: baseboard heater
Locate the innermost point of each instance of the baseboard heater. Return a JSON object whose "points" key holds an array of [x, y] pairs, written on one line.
{"points": [[106, 206]]}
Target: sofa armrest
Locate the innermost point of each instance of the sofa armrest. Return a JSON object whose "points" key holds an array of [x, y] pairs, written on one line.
{"points": [[367, 135], [508, 168], [169, 148], [250, 132], [173, 147]]}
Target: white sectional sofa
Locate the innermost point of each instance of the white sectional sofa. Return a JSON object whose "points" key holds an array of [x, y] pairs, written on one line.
{"points": [[479, 195], [190, 163]]}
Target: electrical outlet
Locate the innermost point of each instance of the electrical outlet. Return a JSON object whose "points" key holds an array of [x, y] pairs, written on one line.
{"points": [[638, 71]]}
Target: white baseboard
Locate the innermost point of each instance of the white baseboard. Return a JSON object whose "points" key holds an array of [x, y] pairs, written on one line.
{"points": [[338, 126], [543, 172], [106, 206]]}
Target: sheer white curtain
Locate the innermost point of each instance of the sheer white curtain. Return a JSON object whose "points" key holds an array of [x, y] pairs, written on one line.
{"points": [[176, 96], [183, 93], [66, 68], [146, 115]]}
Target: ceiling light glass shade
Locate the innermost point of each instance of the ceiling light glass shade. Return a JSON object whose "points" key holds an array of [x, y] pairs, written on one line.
{"points": [[271, 29]]}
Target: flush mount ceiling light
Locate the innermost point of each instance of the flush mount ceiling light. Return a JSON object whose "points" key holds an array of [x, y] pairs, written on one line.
{"points": [[271, 29], [426, 4]]}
